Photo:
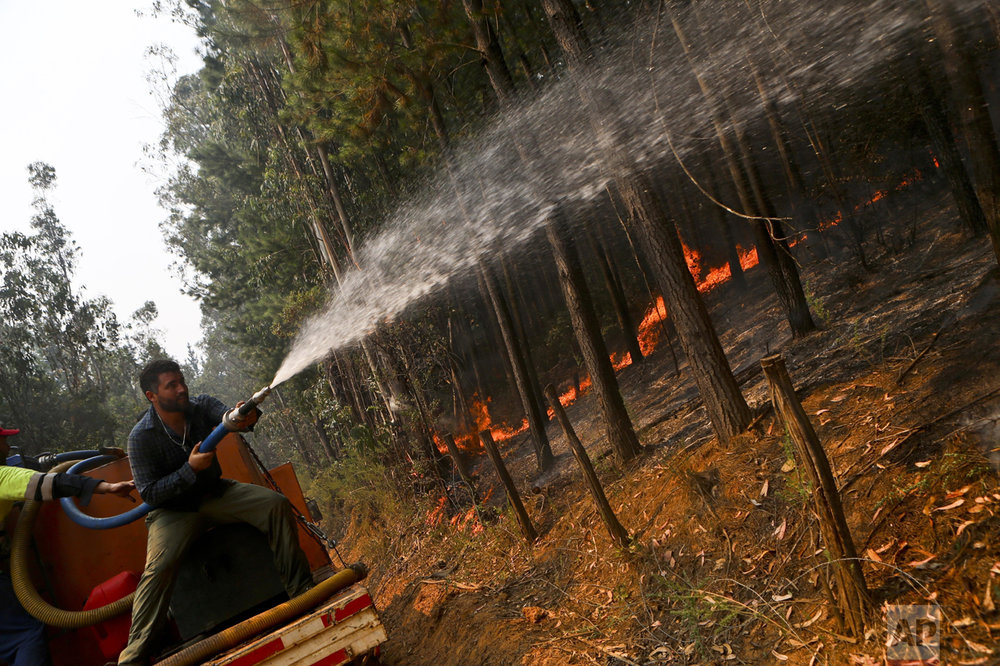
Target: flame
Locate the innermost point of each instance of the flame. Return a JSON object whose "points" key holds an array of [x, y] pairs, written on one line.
{"points": [[571, 394], [623, 363], [436, 514], [480, 412], [649, 329]]}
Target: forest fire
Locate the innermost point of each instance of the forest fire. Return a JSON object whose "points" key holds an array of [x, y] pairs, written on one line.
{"points": [[480, 413], [650, 328]]}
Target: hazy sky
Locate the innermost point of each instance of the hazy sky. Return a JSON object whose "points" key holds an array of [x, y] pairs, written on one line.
{"points": [[75, 96]]}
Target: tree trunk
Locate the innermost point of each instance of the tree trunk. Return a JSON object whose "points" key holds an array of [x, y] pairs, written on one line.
{"points": [[618, 533], [460, 466], [529, 401], [324, 439], [946, 150], [784, 275], [618, 425], [722, 222], [489, 49], [618, 300], [984, 152], [568, 29], [527, 529], [727, 409], [851, 586]]}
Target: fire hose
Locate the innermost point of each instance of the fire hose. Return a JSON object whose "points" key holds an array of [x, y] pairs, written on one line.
{"points": [[25, 590], [32, 601], [233, 636], [228, 425]]}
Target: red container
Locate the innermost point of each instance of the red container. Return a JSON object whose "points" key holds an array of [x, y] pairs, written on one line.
{"points": [[112, 635]]}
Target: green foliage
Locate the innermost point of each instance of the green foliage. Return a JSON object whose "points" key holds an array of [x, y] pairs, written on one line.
{"points": [[360, 487], [67, 365], [816, 305]]}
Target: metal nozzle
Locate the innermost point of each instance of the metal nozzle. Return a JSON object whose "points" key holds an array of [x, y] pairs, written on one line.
{"points": [[257, 398]]}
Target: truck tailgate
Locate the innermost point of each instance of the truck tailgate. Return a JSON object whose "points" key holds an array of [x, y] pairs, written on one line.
{"points": [[345, 627]]}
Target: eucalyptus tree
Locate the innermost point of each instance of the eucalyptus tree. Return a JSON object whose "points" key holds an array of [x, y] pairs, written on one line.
{"points": [[65, 360]]}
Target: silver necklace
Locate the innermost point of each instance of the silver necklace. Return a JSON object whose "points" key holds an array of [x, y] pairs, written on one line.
{"points": [[166, 431]]}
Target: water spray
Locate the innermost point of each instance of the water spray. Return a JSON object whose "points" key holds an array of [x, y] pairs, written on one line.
{"points": [[231, 418]]}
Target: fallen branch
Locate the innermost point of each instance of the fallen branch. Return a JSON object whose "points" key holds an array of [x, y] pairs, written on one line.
{"points": [[907, 369]]}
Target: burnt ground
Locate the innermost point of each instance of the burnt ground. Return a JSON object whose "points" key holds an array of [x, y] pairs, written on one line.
{"points": [[902, 386]]}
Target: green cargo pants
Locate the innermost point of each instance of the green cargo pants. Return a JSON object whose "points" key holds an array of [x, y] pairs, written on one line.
{"points": [[171, 534]]}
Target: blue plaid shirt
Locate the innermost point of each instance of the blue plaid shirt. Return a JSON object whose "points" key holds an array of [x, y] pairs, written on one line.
{"points": [[160, 463]]}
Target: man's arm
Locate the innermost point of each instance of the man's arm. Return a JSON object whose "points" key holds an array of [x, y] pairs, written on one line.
{"points": [[24, 484]]}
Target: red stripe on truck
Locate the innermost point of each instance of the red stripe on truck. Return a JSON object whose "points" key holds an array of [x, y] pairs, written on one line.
{"points": [[259, 654], [335, 659], [352, 607]]}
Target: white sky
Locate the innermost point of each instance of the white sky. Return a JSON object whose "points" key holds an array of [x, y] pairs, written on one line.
{"points": [[75, 96]]}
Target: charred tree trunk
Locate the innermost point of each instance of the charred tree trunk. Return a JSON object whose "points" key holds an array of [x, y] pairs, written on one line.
{"points": [[801, 206], [460, 466], [647, 279], [722, 222], [727, 409], [618, 425], [984, 152], [946, 150], [618, 300], [527, 529], [521, 330], [853, 599], [522, 377], [493, 326]]}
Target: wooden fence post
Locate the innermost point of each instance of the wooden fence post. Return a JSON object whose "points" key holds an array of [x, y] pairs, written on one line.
{"points": [[527, 529], [618, 533], [463, 471], [852, 591]]}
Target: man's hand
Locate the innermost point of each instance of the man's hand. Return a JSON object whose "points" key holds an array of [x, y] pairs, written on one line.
{"points": [[199, 460], [121, 489], [247, 421]]}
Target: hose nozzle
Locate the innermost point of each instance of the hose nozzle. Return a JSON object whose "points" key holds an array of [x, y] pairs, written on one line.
{"points": [[257, 398], [239, 413]]}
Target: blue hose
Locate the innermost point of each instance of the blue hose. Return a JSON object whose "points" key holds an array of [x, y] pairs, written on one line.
{"points": [[82, 519], [207, 444], [90, 522], [75, 455], [213, 439]]}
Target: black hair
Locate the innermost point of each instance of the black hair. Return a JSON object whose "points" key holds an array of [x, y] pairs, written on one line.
{"points": [[149, 378]]}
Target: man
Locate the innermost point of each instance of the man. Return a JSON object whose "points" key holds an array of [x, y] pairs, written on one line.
{"points": [[22, 637], [188, 494]]}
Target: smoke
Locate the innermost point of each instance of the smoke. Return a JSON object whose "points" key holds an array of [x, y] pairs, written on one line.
{"points": [[641, 101]]}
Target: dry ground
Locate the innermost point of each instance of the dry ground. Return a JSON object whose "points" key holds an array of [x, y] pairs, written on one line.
{"points": [[902, 385]]}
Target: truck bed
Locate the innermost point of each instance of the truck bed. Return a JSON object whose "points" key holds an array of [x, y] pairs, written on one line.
{"points": [[344, 628]]}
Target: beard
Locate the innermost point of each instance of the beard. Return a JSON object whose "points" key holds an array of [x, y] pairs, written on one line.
{"points": [[180, 404]]}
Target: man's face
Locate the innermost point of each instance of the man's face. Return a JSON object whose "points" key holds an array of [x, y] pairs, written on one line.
{"points": [[171, 393]]}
